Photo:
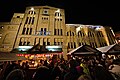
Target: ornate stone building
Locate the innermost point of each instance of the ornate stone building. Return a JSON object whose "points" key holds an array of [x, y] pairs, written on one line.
{"points": [[46, 25], [117, 36]]}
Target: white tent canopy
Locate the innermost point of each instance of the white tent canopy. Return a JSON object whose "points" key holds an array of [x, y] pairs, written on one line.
{"points": [[74, 50], [105, 48], [83, 50], [114, 48]]}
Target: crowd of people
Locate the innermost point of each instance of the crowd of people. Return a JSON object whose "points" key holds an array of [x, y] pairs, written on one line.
{"points": [[84, 68]]}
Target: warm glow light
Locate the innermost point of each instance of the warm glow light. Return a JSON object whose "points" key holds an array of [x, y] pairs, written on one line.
{"points": [[118, 40], [53, 46], [57, 10], [79, 28], [22, 49], [97, 27], [27, 47], [32, 8]]}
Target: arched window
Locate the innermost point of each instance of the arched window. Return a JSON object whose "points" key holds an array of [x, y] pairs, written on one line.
{"points": [[67, 33], [20, 43], [72, 33], [80, 34], [58, 14], [74, 45], [92, 34], [68, 45]]}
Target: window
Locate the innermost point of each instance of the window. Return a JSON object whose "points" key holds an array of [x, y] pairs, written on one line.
{"points": [[23, 30], [30, 31], [68, 45], [55, 32], [20, 44], [72, 33], [30, 20], [33, 20], [55, 43], [45, 11], [26, 20], [55, 14], [79, 44], [27, 30], [80, 33], [45, 18], [61, 32], [41, 32], [18, 16], [44, 43], [58, 14], [74, 45], [58, 31], [48, 43], [67, 33], [41, 29], [24, 43], [28, 43], [61, 43], [31, 12], [44, 31]]}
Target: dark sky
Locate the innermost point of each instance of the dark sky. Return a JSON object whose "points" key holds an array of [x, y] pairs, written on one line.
{"points": [[86, 12]]}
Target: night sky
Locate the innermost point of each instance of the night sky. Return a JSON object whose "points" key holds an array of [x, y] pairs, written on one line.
{"points": [[86, 12]]}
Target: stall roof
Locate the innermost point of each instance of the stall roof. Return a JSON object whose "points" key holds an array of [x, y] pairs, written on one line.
{"points": [[84, 49], [10, 57], [110, 48]]}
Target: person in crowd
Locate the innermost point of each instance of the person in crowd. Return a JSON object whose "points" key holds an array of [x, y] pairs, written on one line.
{"points": [[26, 65], [55, 71], [109, 62], [63, 69], [74, 70], [16, 74], [4, 67], [23, 65], [115, 68], [45, 63], [101, 73], [42, 73], [84, 77], [10, 66], [85, 65]]}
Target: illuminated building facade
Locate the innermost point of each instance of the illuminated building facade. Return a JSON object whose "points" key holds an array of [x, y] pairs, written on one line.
{"points": [[117, 36], [46, 25]]}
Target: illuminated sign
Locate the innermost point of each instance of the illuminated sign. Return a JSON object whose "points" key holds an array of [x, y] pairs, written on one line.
{"points": [[24, 48], [54, 48]]}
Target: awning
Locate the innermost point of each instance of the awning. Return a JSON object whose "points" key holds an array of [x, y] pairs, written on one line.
{"points": [[84, 50], [105, 48], [10, 57], [111, 49], [74, 50]]}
